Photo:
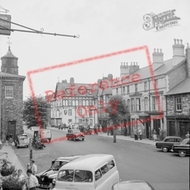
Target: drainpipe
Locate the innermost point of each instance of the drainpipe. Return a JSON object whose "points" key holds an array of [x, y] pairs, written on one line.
{"points": [[149, 108]]}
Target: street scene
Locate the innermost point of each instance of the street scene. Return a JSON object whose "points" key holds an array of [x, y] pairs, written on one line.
{"points": [[94, 95]]}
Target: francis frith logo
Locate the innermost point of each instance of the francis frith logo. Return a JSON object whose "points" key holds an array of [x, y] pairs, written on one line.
{"points": [[160, 21]]}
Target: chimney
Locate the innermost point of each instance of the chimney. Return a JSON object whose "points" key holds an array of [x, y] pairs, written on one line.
{"points": [[158, 56], [124, 69], [71, 80], [133, 67], [188, 59], [178, 52]]}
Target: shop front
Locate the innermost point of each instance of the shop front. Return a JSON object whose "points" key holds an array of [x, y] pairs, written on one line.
{"points": [[178, 126]]}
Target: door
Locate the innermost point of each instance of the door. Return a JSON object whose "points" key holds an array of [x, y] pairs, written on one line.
{"points": [[12, 129]]}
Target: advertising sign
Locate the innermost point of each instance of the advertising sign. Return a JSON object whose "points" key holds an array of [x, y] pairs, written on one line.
{"points": [[4, 25]]}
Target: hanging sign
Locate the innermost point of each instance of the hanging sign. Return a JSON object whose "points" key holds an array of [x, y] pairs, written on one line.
{"points": [[5, 27]]}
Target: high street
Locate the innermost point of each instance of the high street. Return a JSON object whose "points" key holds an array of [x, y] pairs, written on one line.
{"points": [[134, 160]]}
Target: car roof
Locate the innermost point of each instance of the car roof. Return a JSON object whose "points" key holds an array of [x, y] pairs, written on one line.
{"points": [[133, 185], [67, 158], [89, 162], [173, 137]]}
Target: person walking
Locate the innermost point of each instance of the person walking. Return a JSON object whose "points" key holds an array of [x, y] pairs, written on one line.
{"points": [[32, 181]]}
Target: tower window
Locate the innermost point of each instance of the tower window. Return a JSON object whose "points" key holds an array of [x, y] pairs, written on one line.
{"points": [[8, 91]]}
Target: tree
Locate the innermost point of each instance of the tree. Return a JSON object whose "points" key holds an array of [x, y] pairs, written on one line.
{"points": [[36, 111], [118, 112]]}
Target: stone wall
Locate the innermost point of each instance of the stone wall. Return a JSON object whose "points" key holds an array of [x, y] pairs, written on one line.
{"points": [[171, 111], [12, 108]]}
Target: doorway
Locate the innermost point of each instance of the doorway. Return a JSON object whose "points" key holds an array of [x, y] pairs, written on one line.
{"points": [[12, 129]]}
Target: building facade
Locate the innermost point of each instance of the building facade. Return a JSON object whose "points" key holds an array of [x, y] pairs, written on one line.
{"points": [[178, 101], [104, 93], [74, 103], [11, 96], [145, 94]]}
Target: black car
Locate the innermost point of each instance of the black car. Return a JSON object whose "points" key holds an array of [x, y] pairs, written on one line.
{"points": [[182, 148], [167, 143], [46, 178], [75, 134]]}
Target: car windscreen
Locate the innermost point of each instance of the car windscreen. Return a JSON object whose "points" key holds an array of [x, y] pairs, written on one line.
{"points": [[75, 176], [56, 165]]}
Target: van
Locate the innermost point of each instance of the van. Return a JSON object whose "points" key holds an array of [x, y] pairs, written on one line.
{"points": [[89, 172]]}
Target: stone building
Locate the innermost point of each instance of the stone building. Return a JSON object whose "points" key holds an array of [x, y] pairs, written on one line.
{"points": [[178, 100], [146, 94], [11, 96], [103, 95]]}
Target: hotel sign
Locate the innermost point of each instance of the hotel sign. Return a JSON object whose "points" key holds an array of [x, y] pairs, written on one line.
{"points": [[5, 24]]}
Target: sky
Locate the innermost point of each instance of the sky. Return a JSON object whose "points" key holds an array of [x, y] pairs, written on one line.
{"points": [[104, 26]]}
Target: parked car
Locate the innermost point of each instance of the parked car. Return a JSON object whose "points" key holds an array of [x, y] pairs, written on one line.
{"points": [[133, 185], [182, 148], [47, 178], [167, 143], [22, 141], [75, 134]]}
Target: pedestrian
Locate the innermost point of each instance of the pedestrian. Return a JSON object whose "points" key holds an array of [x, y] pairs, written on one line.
{"points": [[32, 181], [33, 167], [187, 135], [21, 178], [135, 134], [140, 133]]}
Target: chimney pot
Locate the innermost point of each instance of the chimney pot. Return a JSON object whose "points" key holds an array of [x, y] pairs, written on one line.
{"points": [[160, 50], [177, 41], [154, 49], [187, 45], [174, 41], [181, 41]]}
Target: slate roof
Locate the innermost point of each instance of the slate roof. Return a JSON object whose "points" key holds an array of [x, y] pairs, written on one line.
{"points": [[9, 54], [183, 87], [2, 74], [66, 87]]}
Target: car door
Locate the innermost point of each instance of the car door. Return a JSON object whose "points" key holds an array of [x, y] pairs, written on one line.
{"points": [[170, 142]]}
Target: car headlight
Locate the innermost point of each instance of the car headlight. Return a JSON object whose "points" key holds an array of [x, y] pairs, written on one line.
{"points": [[54, 181]]}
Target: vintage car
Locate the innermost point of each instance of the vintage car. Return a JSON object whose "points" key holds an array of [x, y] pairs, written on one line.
{"points": [[182, 148], [167, 143], [22, 141], [47, 178], [75, 134], [133, 185]]}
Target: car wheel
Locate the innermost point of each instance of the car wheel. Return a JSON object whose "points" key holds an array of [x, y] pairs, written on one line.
{"points": [[182, 153], [164, 149]]}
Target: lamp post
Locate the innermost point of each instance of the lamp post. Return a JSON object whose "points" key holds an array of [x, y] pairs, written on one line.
{"points": [[0, 111]]}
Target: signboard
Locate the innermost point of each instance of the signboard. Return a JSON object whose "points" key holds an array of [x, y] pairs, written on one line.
{"points": [[4, 25]]}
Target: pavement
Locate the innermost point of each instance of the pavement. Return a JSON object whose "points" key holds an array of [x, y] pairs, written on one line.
{"points": [[8, 150]]}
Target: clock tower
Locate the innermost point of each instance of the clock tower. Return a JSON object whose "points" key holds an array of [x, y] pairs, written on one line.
{"points": [[9, 63]]}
